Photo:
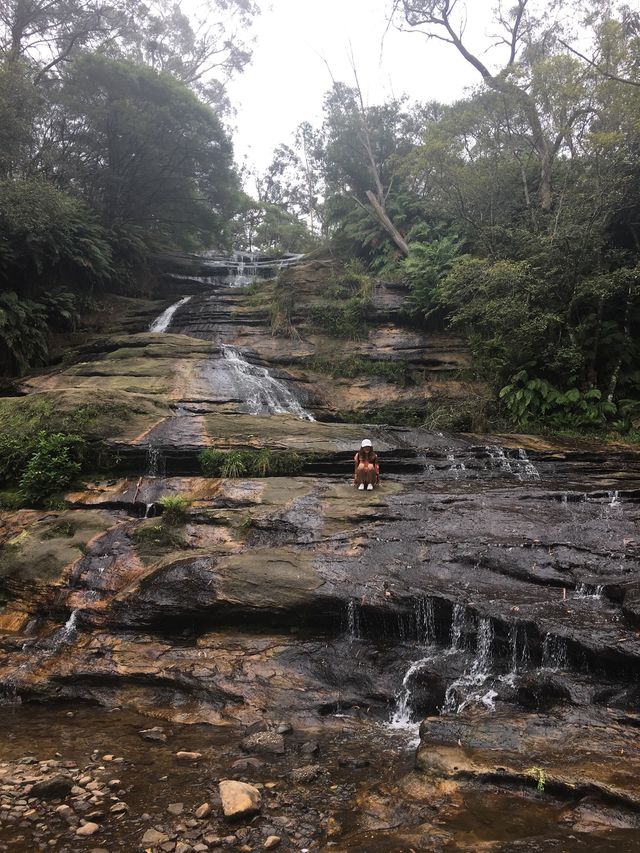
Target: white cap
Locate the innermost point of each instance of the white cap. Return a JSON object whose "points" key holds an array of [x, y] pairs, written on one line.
{"points": [[366, 443]]}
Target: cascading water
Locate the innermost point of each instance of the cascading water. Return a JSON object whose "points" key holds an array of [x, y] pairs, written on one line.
{"points": [[402, 718], [466, 689], [425, 621], [554, 652], [261, 392], [154, 461], [588, 591], [456, 467], [519, 648], [458, 622], [162, 323], [527, 470]]}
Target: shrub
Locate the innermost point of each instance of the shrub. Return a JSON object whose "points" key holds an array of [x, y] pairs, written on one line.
{"points": [[174, 509], [252, 463], [342, 319], [531, 401], [53, 466], [12, 500]]}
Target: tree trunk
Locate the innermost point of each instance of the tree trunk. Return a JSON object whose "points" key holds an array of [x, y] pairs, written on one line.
{"points": [[387, 224]]}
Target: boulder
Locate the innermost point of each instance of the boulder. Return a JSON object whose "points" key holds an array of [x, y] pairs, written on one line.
{"points": [[239, 799], [51, 789]]}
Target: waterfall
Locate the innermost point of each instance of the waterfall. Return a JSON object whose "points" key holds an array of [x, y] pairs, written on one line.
{"points": [[614, 498], [262, 393], [162, 323], [425, 621], [554, 652], [401, 717], [467, 689], [458, 622], [519, 648]]}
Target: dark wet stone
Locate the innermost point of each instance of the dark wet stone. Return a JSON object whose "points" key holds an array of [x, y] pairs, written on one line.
{"points": [[50, 789]]}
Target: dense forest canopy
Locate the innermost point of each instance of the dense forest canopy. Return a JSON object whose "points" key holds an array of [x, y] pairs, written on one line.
{"points": [[512, 215]]}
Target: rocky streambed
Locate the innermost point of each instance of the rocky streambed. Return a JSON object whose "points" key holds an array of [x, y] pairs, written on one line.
{"points": [[448, 663]]}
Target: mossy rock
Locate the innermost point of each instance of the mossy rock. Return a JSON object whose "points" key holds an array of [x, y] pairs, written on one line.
{"points": [[42, 552]]}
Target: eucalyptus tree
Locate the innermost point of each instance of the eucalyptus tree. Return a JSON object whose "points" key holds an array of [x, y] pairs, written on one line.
{"points": [[528, 62]]}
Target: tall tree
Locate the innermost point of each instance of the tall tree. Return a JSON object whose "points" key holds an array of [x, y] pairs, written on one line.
{"points": [[527, 45]]}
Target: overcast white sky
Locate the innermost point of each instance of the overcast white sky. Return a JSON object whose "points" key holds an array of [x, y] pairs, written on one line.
{"points": [[287, 78]]}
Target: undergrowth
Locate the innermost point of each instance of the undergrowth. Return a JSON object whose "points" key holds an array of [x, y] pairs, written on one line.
{"points": [[250, 463]]}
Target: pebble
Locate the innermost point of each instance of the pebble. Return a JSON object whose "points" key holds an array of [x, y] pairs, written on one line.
{"points": [[272, 842], [188, 756], [175, 808], [203, 811], [153, 837], [87, 829]]}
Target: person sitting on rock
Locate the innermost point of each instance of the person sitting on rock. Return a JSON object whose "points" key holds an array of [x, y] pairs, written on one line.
{"points": [[367, 471]]}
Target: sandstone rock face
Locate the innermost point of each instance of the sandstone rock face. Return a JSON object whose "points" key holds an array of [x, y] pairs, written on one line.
{"points": [[239, 799], [488, 587]]}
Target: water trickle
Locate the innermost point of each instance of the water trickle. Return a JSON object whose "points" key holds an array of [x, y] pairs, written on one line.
{"points": [[498, 458], [154, 461], [519, 647], [456, 467], [614, 498], [261, 392], [148, 510], [162, 323], [458, 622], [585, 590], [425, 621], [554, 652], [526, 468], [469, 687], [402, 717], [354, 628]]}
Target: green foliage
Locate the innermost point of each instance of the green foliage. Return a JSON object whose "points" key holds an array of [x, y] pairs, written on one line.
{"points": [[12, 499], [342, 319], [52, 466], [354, 366], [425, 269], [250, 463], [174, 509], [147, 131], [536, 401], [539, 776]]}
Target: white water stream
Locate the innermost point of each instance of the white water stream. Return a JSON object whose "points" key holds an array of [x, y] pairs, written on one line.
{"points": [[261, 392], [162, 323]]}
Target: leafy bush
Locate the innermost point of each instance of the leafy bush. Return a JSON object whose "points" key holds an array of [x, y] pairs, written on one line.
{"points": [[54, 465], [425, 269], [532, 401], [251, 463], [174, 509]]}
